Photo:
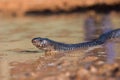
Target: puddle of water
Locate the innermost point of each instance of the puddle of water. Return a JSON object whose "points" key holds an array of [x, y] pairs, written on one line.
{"points": [[16, 35]]}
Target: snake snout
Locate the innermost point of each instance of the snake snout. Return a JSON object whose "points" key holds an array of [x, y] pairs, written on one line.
{"points": [[36, 41]]}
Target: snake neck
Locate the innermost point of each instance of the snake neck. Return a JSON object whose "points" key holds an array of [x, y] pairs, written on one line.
{"points": [[68, 47], [101, 40]]}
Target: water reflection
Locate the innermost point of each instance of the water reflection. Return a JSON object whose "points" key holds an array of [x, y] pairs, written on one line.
{"points": [[96, 25], [110, 47], [90, 27]]}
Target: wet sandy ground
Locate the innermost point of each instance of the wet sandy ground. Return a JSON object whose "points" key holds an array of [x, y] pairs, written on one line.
{"points": [[16, 35]]}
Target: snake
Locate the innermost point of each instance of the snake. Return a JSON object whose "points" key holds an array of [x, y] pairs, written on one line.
{"points": [[50, 45]]}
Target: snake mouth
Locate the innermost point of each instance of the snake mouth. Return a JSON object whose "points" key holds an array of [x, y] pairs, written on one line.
{"points": [[37, 43]]}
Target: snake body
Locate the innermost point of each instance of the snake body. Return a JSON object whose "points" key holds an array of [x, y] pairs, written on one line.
{"points": [[48, 44]]}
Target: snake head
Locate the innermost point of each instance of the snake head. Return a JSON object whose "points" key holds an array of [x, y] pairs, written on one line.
{"points": [[40, 43]]}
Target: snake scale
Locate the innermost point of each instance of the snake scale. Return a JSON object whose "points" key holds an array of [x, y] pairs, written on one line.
{"points": [[49, 45]]}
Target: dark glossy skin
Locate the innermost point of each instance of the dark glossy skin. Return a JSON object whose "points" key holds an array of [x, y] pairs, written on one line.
{"points": [[49, 45]]}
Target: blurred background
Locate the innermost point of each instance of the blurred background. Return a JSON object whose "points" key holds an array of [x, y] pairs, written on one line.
{"points": [[69, 21]]}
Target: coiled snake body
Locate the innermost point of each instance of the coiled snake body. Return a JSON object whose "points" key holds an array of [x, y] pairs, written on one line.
{"points": [[49, 45]]}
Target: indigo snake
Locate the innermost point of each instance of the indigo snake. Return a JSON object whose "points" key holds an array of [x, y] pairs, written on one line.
{"points": [[49, 45]]}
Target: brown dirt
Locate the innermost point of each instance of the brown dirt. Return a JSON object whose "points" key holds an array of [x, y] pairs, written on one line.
{"points": [[66, 68]]}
